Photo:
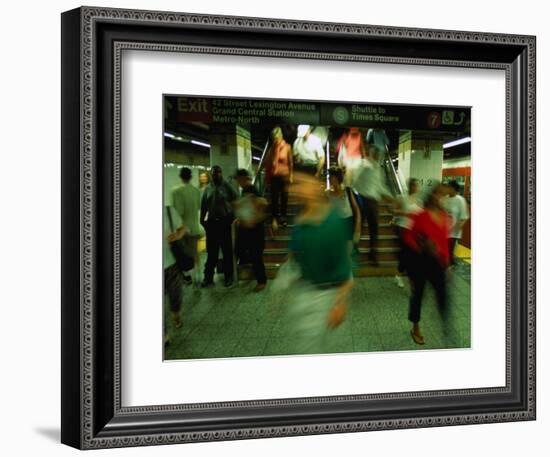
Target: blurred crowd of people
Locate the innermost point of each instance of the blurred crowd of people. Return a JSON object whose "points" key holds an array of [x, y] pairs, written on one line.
{"points": [[325, 233]]}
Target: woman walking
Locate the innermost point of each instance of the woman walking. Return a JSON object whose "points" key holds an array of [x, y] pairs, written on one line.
{"points": [[428, 241], [279, 169], [318, 248], [406, 207]]}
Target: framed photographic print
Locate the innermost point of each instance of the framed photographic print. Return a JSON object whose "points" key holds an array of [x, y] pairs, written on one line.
{"points": [[274, 228]]}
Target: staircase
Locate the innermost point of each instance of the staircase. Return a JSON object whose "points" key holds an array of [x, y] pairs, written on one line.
{"points": [[276, 247]]}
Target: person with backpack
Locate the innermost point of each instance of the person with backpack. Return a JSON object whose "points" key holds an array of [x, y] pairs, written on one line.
{"points": [[216, 216]]}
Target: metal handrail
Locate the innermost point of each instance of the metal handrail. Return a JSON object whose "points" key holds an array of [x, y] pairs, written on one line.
{"points": [[327, 164], [394, 175], [261, 162]]}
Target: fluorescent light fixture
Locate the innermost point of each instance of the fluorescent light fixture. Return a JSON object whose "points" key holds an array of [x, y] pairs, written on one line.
{"points": [[256, 158], [450, 144], [186, 140], [200, 143]]}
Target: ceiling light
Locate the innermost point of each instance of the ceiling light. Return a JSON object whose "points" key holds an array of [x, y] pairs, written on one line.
{"points": [[200, 143], [450, 144]]}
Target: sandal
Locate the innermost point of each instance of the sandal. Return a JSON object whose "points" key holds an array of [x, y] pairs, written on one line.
{"points": [[418, 339]]}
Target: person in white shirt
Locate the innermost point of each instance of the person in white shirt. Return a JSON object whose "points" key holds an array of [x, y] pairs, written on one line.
{"points": [[309, 156], [405, 207], [367, 181], [186, 200], [457, 208]]}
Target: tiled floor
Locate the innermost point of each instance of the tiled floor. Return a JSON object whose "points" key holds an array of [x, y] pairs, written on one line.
{"points": [[464, 253], [237, 322]]}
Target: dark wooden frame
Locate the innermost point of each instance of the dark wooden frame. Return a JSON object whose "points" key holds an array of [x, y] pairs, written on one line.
{"points": [[92, 42]]}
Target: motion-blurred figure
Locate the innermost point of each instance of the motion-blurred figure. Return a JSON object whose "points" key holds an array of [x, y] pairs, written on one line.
{"points": [[318, 247], [343, 200], [428, 240], [405, 207], [351, 149], [377, 137], [217, 218], [455, 204], [250, 212], [186, 202], [309, 156], [368, 182], [176, 259], [279, 166]]}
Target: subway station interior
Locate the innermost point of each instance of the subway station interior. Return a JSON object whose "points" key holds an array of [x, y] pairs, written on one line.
{"points": [[430, 145]]}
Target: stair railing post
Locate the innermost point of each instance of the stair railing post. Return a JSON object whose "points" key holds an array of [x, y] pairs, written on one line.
{"points": [[233, 243], [327, 163], [259, 170]]}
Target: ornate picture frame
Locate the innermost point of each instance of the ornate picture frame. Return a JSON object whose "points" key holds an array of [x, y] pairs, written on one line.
{"points": [[92, 42]]}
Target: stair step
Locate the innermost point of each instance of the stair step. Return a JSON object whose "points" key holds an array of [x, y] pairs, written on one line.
{"points": [[382, 253], [384, 228], [281, 241], [291, 214], [279, 255], [384, 268], [384, 241]]}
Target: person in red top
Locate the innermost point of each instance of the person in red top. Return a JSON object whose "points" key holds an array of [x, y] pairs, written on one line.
{"points": [[428, 239], [351, 148], [279, 170]]}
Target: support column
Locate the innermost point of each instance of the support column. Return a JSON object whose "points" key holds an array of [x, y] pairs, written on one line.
{"points": [[231, 148], [420, 157]]}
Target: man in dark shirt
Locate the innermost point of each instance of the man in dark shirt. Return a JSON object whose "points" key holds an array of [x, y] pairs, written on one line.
{"points": [[250, 232], [217, 217]]}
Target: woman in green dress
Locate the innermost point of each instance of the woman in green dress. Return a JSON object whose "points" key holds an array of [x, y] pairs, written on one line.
{"points": [[319, 248]]}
